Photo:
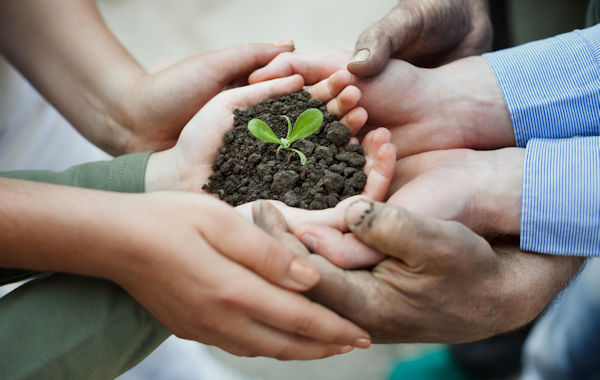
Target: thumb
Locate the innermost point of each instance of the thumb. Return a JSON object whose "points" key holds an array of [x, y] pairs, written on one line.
{"points": [[378, 42], [239, 61], [415, 239]]}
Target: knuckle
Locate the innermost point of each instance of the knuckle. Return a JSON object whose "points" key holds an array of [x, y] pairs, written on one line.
{"points": [[303, 324], [274, 263], [287, 352]]}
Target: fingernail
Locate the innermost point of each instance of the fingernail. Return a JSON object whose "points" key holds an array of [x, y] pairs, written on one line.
{"points": [[361, 56], [304, 273], [346, 349], [362, 343], [284, 43], [356, 212], [309, 241]]}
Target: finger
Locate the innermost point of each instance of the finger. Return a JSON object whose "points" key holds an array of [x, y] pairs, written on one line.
{"points": [[297, 315], [354, 121], [253, 338], [272, 221], [412, 238], [248, 245], [378, 42], [372, 141], [312, 67], [346, 100], [329, 88], [256, 93], [238, 61], [342, 249]]}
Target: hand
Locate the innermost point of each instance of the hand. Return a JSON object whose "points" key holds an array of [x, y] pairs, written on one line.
{"points": [[380, 158], [440, 283], [426, 33], [162, 103], [188, 165], [480, 189], [204, 285], [458, 105]]}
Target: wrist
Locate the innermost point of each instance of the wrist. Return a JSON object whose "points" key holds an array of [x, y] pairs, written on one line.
{"points": [[500, 191], [162, 172], [473, 98]]}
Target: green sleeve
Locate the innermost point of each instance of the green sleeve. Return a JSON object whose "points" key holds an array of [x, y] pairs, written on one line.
{"points": [[123, 174], [70, 327]]}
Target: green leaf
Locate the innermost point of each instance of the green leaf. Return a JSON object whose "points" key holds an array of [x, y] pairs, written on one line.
{"points": [[306, 124], [261, 131], [289, 126], [302, 156]]}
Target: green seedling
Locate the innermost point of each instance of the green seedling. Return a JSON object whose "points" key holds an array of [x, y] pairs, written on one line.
{"points": [[306, 124]]}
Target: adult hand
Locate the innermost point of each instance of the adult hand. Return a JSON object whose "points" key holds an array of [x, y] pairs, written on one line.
{"points": [[458, 105], [204, 285], [159, 105], [426, 33], [98, 86], [172, 254], [480, 189], [441, 282]]}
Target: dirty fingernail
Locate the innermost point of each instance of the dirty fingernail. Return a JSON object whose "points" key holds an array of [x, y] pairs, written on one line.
{"points": [[309, 241], [356, 212], [362, 343], [284, 43], [361, 56], [304, 273], [346, 349]]}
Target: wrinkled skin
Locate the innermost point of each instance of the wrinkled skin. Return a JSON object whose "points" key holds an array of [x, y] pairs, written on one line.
{"points": [[440, 282]]}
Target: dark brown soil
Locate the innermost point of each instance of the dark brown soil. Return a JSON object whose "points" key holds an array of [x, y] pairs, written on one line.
{"points": [[248, 169]]}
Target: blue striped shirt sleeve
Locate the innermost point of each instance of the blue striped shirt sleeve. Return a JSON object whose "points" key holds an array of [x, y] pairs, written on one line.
{"points": [[552, 87], [560, 209]]}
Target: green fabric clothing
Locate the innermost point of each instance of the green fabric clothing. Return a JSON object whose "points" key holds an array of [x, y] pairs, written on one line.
{"points": [[71, 327], [123, 174], [63, 326]]}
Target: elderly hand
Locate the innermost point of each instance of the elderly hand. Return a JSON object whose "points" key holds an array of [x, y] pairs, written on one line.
{"points": [[426, 33], [441, 282]]}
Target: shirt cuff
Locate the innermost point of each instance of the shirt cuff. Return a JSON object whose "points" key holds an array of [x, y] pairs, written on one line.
{"points": [[560, 210], [552, 87]]}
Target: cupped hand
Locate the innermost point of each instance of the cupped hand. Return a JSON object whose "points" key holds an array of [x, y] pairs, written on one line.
{"points": [[159, 105], [426, 33], [440, 282], [480, 189], [380, 160], [188, 165], [233, 287], [458, 105]]}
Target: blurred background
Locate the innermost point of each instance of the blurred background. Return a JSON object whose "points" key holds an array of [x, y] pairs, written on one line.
{"points": [[159, 32]]}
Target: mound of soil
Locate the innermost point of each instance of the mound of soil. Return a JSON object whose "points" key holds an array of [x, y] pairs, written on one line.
{"points": [[248, 169]]}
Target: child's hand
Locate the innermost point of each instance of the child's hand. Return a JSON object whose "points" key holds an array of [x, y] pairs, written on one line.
{"points": [[188, 165], [380, 157]]}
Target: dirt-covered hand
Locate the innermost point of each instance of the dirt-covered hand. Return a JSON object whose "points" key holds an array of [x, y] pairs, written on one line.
{"points": [[159, 105], [458, 105], [441, 282], [480, 189], [427, 33], [204, 285]]}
